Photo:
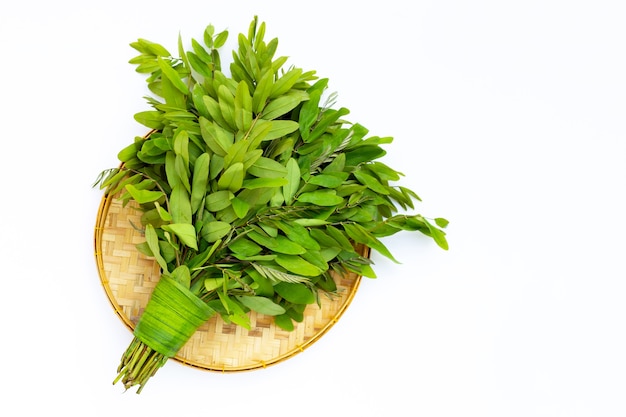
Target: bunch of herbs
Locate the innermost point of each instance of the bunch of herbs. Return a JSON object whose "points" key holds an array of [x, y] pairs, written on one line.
{"points": [[253, 189]]}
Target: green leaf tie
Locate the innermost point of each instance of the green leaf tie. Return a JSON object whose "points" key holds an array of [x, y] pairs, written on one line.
{"points": [[171, 317]]}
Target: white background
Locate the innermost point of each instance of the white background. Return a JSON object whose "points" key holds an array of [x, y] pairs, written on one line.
{"points": [[508, 119]]}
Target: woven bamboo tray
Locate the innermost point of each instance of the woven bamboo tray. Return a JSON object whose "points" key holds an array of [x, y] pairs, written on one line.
{"points": [[128, 278]]}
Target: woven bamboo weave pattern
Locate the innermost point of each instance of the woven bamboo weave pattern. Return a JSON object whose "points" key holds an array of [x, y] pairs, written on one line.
{"points": [[128, 278]]}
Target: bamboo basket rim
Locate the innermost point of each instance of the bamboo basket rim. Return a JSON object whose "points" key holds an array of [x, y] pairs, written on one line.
{"points": [[198, 362]]}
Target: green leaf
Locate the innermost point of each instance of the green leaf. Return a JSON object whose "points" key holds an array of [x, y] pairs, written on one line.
{"points": [[282, 148], [182, 171], [199, 65], [232, 178], [280, 128], [180, 205], [267, 168], [200, 181], [328, 254], [402, 199], [296, 311], [364, 154], [376, 140], [324, 239], [174, 98], [214, 230], [211, 284], [163, 214], [243, 107], [295, 293], [220, 39], [218, 200], [216, 60], [262, 91], [215, 166], [181, 145], [257, 196], [240, 207], [143, 196], [368, 271], [218, 139], [170, 169], [285, 322], [279, 244], [152, 240], [147, 47], [259, 257], [208, 35], [258, 133], [251, 157], [236, 153], [127, 153], [297, 265], [244, 247], [150, 118], [438, 236], [293, 181], [286, 82], [173, 76], [215, 111], [197, 95], [286, 246], [148, 66], [441, 222], [261, 305], [324, 198], [181, 275], [262, 285], [337, 165], [181, 51], [269, 229], [328, 118], [333, 180], [240, 320], [235, 312], [359, 234], [226, 102], [409, 193], [370, 182], [168, 251], [151, 216], [298, 234], [264, 182], [384, 172], [283, 105], [310, 222], [340, 237], [184, 231], [310, 110], [315, 258]]}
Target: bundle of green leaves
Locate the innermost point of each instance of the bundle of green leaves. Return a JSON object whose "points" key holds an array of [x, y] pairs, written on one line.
{"points": [[253, 191]]}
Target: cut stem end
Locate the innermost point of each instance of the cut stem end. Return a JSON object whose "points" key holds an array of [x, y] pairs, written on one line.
{"points": [[138, 364]]}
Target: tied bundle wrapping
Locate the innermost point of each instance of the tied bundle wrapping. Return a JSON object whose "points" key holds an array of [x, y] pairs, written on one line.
{"points": [[172, 316]]}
